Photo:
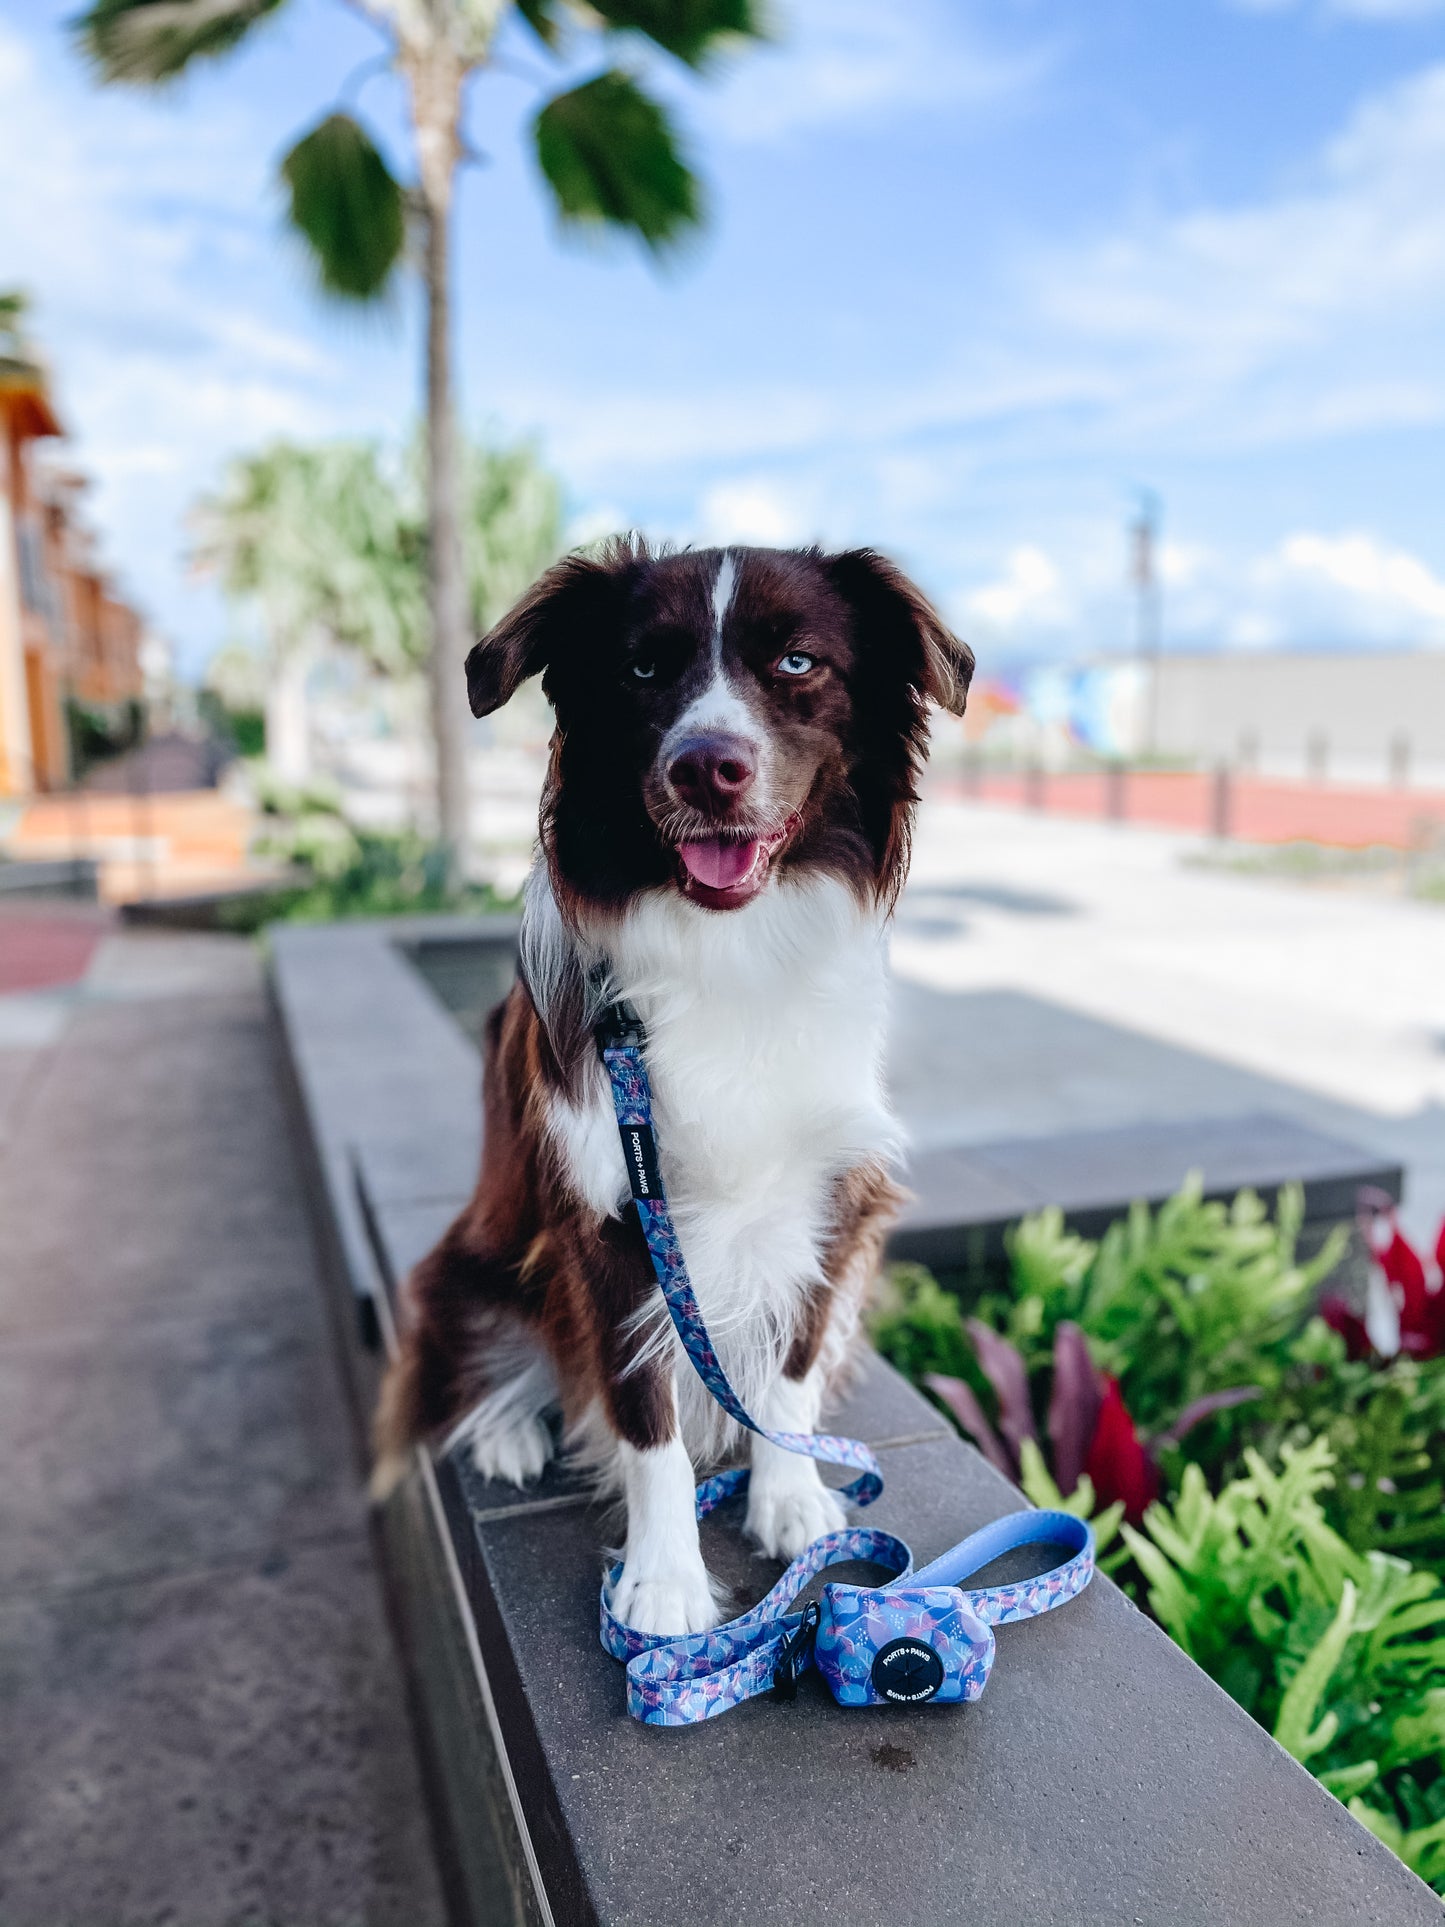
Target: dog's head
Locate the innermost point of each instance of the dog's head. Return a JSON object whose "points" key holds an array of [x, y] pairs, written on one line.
{"points": [[724, 715]]}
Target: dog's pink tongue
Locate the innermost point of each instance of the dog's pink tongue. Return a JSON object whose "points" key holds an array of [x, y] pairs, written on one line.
{"points": [[717, 863]]}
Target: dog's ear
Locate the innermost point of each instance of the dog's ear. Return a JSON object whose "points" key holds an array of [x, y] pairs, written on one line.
{"points": [[565, 605], [897, 621]]}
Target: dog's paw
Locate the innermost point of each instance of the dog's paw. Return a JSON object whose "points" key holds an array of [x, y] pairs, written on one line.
{"points": [[517, 1452], [672, 1603], [785, 1518]]}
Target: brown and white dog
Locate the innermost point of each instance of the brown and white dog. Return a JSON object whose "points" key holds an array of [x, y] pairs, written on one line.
{"points": [[724, 830]]}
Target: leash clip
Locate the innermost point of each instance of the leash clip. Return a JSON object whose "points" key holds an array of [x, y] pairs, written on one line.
{"points": [[619, 1028], [797, 1651]]}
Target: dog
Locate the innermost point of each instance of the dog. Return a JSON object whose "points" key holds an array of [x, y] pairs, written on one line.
{"points": [[724, 831]]}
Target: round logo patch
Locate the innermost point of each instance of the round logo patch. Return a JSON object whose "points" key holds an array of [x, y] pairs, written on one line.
{"points": [[907, 1672]]}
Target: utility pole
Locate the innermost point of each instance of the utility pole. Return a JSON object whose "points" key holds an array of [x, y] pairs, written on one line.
{"points": [[1148, 618]]}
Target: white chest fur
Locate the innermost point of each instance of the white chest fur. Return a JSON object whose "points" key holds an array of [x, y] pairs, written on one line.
{"points": [[765, 1035]]}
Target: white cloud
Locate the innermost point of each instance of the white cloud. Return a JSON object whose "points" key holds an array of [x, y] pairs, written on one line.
{"points": [[1313, 312], [754, 511], [846, 61], [1310, 590], [1181, 564], [1027, 593], [1357, 582]]}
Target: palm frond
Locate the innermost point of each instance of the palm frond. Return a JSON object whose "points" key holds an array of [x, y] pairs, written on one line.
{"points": [[347, 204], [542, 17], [688, 29], [330, 540], [14, 339], [147, 41], [611, 158]]}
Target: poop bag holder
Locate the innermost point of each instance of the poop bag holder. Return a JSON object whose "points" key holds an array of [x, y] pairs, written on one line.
{"points": [[922, 1637]]}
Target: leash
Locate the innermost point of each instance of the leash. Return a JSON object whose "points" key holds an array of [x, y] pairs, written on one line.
{"points": [[921, 1637]]}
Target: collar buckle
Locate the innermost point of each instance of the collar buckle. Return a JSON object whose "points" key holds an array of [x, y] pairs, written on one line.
{"points": [[619, 1028]]}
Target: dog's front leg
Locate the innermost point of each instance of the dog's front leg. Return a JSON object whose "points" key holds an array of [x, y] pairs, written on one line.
{"points": [[664, 1585], [788, 1504]]}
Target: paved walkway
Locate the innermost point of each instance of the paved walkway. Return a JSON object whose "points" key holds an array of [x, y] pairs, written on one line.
{"points": [[201, 1712], [47, 944], [1062, 975], [172, 761]]}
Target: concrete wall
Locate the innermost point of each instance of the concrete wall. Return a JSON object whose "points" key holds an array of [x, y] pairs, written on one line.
{"points": [[1354, 714]]}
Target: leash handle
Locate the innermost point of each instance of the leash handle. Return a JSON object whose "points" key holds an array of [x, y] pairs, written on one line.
{"points": [[620, 1037], [1024, 1598]]}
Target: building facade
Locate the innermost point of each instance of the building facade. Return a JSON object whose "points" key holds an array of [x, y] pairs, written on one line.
{"points": [[66, 637], [1356, 717]]}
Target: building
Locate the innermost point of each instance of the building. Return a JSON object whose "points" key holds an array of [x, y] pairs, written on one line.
{"points": [[1364, 717], [1373, 717], [65, 636]]}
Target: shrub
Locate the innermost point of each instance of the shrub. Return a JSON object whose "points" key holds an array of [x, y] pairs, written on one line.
{"points": [[1264, 1481], [1340, 1653]]}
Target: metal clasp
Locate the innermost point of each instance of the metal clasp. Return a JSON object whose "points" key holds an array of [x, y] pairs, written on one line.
{"points": [[619, 1028], [796, 1653]]}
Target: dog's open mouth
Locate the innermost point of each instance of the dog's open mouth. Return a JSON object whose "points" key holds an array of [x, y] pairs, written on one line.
{"points": [[723, 872]]}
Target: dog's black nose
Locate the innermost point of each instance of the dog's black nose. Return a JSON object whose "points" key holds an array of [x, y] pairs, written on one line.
{"points": [[713, 773]]}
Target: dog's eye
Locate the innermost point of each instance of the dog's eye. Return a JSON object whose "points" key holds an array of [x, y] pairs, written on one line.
{"points": [[644, 670], [795, 663]]}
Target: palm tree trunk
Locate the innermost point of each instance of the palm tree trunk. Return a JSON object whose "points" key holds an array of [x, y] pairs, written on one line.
{"points": [[288, 724], [436, 105]]}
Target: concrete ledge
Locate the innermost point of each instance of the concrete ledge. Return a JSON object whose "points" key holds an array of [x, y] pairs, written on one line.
{"points": [[966, 1198], [1102, 1777], [75, 876]]}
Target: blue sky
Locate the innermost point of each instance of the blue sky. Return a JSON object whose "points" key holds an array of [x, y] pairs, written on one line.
{"points": [[979, 269]]}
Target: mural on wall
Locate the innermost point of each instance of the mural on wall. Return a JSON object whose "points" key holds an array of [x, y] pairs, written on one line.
{"points": [[1050, 709]]}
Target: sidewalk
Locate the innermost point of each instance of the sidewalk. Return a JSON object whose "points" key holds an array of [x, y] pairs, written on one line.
{"points": [[202, 1710], [1064, 975]]}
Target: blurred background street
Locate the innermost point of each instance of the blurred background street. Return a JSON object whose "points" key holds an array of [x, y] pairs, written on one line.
{"points": [[325, 329]]}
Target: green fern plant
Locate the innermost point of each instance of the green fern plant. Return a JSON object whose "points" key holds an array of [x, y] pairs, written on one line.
{"points": [[1041, 1490], [1385, 1425], [919, 1328], [1179, 1304], [1341, 1654]]}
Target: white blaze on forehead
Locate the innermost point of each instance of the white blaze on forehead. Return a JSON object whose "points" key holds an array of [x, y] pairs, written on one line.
{"points": [[722, 595], [719, 706]]}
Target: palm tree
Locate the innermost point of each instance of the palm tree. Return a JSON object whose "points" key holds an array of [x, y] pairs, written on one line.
{"points": [[329, 543], [21, 365], [282, 535], [606, 149], [14, 342]]}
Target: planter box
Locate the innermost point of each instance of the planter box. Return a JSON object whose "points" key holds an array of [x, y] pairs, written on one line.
{"points": [[1102, 1776]]}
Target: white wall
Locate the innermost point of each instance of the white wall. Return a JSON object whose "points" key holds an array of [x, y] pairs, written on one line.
{"points": [[1357, 706]]}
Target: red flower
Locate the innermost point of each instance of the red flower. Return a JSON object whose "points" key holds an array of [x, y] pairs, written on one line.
{"points": [[1339, 1317], [1118, 1463], [1421, 1305]]}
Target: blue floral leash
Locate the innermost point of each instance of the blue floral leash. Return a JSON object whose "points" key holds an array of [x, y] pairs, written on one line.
{"points": [[921, 1637]]}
